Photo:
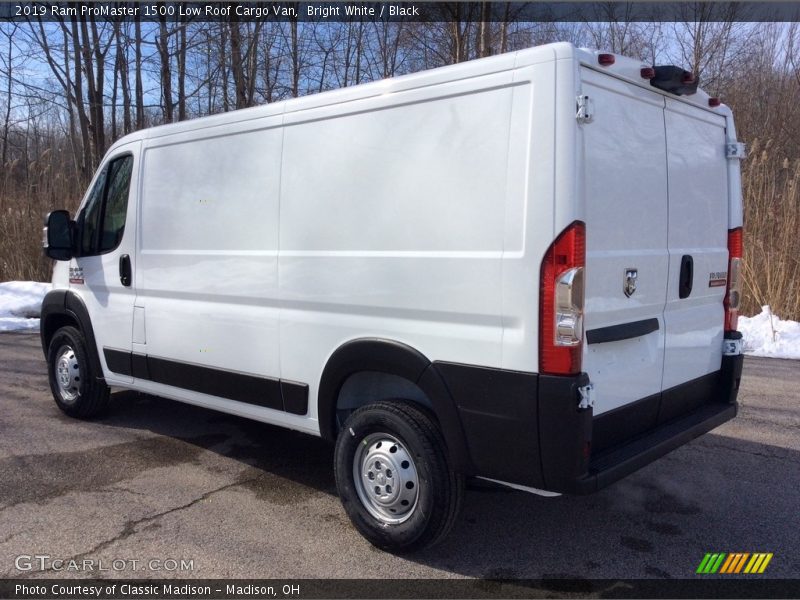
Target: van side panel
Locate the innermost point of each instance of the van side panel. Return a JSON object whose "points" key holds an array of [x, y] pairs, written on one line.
{"points": [[208, 254], [535, 106], [393, 223]]}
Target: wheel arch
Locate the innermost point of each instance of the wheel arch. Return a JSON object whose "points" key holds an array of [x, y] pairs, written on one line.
{"points": [[400, 360], [61, 308]]}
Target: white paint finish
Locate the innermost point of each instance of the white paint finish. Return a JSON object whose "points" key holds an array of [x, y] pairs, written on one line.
{"points": [[698, 217], [208, 260], [399, 235], [625, 184], [532, 114], [108, 302], [369, 181], [139, 329], [227, 183], [218, 311], [735, 205]]}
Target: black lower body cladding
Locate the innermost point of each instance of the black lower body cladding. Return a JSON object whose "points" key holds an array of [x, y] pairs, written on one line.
{"points": [[527, 429]]}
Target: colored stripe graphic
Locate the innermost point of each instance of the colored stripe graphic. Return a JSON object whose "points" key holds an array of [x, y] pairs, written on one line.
{"points": [[766, 562], [758, 563], [740, 564], [711, 563], [733, 563], [717, 564], [704, 563], [726, 566]]}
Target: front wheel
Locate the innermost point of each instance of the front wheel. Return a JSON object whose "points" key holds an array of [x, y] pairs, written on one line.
{"points": [[77, 389], [393, 476]]}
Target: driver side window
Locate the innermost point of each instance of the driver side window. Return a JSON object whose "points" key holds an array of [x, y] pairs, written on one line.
{"points": [[102, 221]]}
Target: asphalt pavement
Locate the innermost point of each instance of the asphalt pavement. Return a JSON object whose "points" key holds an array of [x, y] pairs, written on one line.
{"points": [[163, 489]]}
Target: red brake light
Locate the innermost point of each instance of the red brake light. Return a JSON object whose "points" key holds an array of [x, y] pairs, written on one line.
{"points": [[732, 290], [605, 60], [561, 300]]}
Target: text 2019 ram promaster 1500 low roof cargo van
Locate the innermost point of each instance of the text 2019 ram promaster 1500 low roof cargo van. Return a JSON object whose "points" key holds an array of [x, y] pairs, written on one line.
{"points": [[521, 268]]}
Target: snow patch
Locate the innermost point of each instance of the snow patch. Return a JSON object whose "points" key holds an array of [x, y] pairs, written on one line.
{"points": [[767, 335], [20, 304]]}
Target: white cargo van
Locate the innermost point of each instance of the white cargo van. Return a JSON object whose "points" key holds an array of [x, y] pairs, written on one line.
{"points": [[521, 268]]}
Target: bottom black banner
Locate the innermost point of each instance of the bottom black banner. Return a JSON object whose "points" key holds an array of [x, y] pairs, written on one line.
{"points": [[200, 589]]}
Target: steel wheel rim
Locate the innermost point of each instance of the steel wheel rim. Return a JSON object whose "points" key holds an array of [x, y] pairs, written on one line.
{"points": [[68, 374], [386, 478]]}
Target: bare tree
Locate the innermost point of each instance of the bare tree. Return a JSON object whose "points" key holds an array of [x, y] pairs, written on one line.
{"points": [[709, 39], [165, 61], [137, 45], [8, 72]]}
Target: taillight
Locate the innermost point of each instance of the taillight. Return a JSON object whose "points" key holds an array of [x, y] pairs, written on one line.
{"points": [[733, 289], [561, 303]]}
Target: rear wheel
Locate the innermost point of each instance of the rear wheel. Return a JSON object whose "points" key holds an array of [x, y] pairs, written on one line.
{"points": [[393, 476], [78, 390]]}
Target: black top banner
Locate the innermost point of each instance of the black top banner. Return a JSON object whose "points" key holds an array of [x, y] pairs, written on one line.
{"points": [[403, 11]]}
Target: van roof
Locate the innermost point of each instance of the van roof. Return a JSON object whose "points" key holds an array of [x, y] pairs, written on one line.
{"points": [[623, 68], [630, 69]]}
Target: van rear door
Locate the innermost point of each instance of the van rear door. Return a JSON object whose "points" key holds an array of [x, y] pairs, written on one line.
{"points": [[698, 253], [627, 260]]}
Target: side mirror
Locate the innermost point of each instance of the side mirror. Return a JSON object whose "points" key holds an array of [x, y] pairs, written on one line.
{"points": [[57, 235]]}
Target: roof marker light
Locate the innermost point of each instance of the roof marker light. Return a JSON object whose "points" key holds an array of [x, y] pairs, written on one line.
{"points": [[714, 102], [647, 72], [605, 60]]}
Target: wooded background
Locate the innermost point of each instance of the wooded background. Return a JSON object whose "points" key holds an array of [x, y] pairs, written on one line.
{"points": [[70, 88]]}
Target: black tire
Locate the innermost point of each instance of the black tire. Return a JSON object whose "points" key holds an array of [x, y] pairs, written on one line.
{"points": [[415, 434], [78, 389]]}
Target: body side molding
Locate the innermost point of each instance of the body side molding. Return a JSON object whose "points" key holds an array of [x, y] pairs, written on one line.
{"points": [[268, 392]]}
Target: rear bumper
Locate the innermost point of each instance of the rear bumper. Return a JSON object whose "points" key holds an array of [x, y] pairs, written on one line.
{"points": [[614, 464], [526, 429]]}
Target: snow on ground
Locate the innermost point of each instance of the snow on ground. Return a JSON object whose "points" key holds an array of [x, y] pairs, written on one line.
{"points": [[20, 303], [764, 334], [767, 335]]}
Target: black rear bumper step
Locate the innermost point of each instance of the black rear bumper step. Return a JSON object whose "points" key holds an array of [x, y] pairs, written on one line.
{"points": [[621, 461], [535, 419]]}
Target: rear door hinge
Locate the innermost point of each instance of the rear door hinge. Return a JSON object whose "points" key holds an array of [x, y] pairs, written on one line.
{"points": [[732, 347], [587, 396], [735, 150], [585, 112]]}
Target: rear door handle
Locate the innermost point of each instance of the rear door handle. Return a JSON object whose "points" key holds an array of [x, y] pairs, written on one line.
{"points": [[125, 270], [687, 276]]}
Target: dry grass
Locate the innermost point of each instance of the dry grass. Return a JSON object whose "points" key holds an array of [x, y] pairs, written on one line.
{"points": [[27, 194], [772, 232], [21, 247]]}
